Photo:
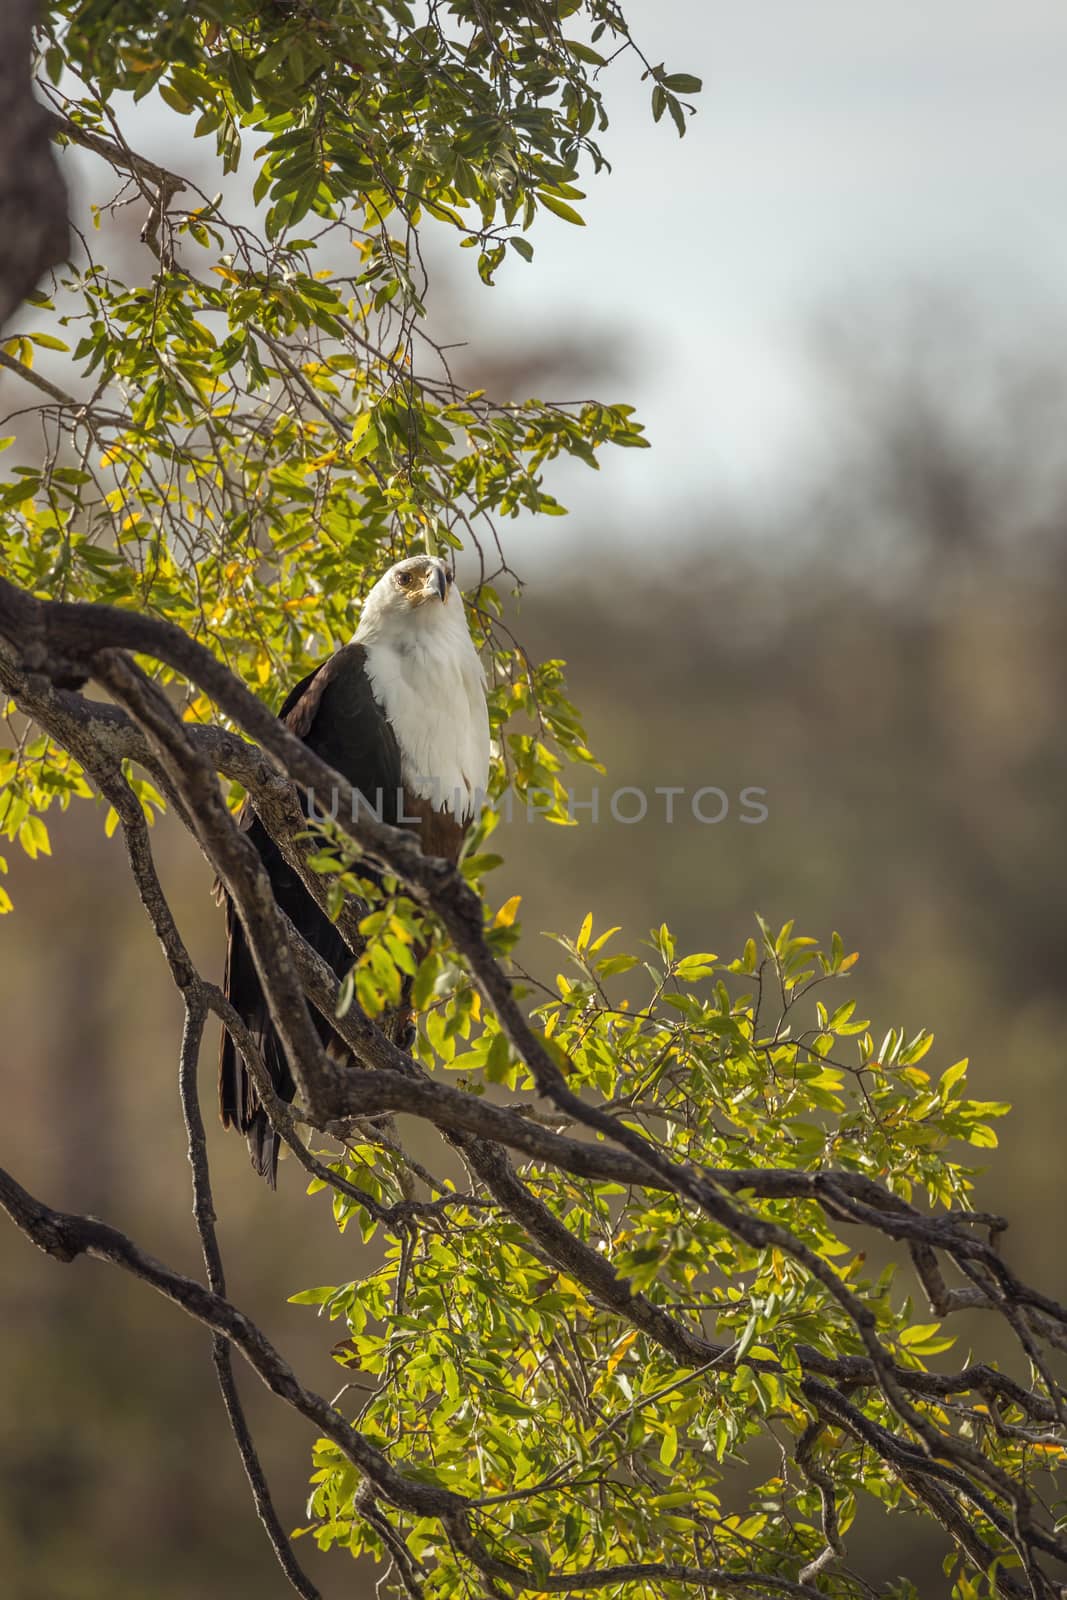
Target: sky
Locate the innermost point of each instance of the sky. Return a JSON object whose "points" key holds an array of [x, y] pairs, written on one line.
{"points": [[841, 153]]}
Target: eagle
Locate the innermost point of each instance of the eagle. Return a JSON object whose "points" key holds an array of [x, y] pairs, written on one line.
{"points": [[401, 713]]}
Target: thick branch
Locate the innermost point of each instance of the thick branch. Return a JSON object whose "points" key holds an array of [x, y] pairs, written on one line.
{"points": [[65, 1236], [63, 643], [33, 198], [238, 864]]}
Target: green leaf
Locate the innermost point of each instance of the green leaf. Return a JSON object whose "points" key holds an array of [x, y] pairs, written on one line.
{"points": [[312, 1297], [33, 837], [365, 440], [920, 1333], [560, 208], [692, 968], [615, 964], [952, 1076]]}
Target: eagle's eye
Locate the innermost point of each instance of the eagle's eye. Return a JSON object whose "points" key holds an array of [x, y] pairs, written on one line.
{"points": [[403, 580], [449, 578]]}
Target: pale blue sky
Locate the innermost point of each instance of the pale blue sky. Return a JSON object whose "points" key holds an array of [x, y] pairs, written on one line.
{"points": [[842, 153], [841, 150]]}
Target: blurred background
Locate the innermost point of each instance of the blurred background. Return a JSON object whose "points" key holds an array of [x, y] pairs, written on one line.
{"points": [[840, 575]]}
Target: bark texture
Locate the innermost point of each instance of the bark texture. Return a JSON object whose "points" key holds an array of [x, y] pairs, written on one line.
{"points": [[34, 233]]}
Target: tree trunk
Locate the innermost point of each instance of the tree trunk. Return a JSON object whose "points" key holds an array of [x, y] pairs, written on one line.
{"points": [[33, 197]]}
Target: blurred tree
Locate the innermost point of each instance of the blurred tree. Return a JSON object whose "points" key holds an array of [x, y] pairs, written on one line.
{"points": [[557, 1368]]}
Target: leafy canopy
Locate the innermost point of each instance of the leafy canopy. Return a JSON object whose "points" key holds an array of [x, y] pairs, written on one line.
{"points": [[264, 421], [585, 1441]]}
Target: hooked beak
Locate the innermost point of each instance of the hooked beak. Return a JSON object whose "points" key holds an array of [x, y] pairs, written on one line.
{"points": [[436, 583]]}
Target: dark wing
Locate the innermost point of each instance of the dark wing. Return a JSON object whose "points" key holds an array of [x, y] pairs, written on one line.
{"points": [[334, 711]]}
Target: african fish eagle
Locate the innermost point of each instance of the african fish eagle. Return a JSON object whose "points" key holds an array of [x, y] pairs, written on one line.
{"points": [[401, 713]]}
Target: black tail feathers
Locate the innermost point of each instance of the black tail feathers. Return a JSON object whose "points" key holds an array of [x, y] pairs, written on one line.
{"points": [[263, 1144]]}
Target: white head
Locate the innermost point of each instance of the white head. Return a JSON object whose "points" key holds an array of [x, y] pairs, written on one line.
{"points": [[412, 596], [427, 677]]}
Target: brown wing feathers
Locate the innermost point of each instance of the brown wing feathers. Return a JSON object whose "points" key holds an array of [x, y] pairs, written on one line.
{"points": [[334, 711]]}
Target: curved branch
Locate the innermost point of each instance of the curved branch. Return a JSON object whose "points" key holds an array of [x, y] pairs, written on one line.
{"points": [[65, 1236], [50, 645]]}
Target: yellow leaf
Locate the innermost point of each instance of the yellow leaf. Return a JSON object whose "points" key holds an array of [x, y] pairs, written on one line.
{"points": [[506, 915], [619, 1351]]}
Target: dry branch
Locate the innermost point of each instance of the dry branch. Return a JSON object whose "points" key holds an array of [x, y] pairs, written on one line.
{"points": [[44, 646]]}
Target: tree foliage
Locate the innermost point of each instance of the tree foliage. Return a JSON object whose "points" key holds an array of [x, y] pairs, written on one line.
{"points": [[633, 1266], [598, 1416], [267, 420]]}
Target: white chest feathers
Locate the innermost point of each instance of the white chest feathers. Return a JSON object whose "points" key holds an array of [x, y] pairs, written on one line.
{"points": [[428, 680]]}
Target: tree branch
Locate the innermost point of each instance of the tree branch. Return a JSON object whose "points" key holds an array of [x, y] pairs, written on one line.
{"points": [[50, 644], [65, 1236], [34, 235]]}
